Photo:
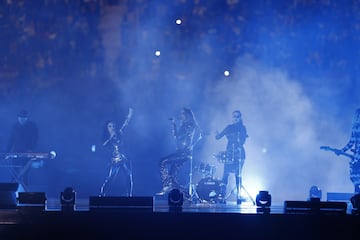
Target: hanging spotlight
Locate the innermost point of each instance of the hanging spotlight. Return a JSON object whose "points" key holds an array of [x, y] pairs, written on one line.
{"points": [[67, 199]]}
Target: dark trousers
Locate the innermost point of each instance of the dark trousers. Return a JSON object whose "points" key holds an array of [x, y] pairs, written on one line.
{"points": [[122, 169], [236, 168]]}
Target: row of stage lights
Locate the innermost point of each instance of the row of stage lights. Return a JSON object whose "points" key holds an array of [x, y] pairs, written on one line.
{"points": [[37, 200], [314, 205]]}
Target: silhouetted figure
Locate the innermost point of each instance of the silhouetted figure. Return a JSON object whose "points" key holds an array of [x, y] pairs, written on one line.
{"points": [[23, 139]]}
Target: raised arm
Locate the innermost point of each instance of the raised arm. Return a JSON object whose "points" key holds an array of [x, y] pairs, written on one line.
{"points": [[127, 120]]}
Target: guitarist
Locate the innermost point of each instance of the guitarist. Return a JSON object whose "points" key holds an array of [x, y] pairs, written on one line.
{"points": [[112, 141], [354, 145]]}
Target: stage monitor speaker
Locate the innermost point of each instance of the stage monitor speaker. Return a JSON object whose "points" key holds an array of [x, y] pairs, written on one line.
{"points": [[32, 200], [315, 206], [8, 195], [121, 203], [336, 196]]}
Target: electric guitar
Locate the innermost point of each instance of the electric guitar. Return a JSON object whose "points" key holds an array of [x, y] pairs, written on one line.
{"points": [[339, 152]]}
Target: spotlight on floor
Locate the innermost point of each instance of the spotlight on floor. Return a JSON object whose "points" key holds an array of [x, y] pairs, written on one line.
{"points": [[263, 202], [68, 199], [355, 202], [315, 193], [175, 199]]}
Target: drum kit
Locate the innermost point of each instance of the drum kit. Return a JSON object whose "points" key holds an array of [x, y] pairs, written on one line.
{"points": [[210, 189]]}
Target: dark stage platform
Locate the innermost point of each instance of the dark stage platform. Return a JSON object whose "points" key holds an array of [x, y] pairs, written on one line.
{"points": [[192, 221]]}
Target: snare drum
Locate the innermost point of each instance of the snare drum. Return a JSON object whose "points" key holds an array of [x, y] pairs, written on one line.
{"points": [[209, 189]]}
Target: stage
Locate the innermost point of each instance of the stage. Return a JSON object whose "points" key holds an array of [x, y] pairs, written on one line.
{"points": [[190, 221]]}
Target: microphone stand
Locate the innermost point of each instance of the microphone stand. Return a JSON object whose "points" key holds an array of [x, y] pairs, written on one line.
{"points": [[192, 190], [241, 186]]}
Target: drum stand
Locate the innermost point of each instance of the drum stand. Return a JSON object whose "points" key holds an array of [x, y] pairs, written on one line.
{"points": [[131, 179], [238, 201]]}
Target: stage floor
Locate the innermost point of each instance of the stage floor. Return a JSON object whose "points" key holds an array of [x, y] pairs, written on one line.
{"points": [[192, 221], [160, 204]]}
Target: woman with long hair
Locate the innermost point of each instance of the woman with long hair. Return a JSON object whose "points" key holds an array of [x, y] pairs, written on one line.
{"points": [[183, 135], [119, 164]]}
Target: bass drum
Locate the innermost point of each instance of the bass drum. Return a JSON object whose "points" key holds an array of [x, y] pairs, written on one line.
{"points": [[209, 189]]}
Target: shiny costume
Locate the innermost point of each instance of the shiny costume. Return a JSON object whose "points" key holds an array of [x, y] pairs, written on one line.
{"points": [[169, 165], [119, 164], [354, 145], [236, 135]]}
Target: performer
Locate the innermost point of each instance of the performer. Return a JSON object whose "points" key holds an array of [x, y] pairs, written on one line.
{"points": [[354, 146], [183, 135], [236, 135], [23, 139], [118, 161]]}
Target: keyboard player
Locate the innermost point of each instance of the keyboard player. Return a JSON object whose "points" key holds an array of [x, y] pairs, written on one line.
{"points": [[23, 139]]}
